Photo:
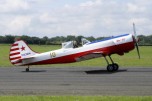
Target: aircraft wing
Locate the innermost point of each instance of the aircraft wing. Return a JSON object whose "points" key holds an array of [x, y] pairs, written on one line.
{"points": [[89, 56]]}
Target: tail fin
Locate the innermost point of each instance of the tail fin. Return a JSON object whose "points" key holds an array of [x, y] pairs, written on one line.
{"points": [[19, 51]]}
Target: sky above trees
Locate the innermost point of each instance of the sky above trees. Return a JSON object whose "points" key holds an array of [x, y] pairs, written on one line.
{"points": [[74, 17]]}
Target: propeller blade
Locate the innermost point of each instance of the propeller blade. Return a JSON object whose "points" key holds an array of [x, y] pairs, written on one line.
{"points": [[136, 40], [137, 49], [134, 29]]}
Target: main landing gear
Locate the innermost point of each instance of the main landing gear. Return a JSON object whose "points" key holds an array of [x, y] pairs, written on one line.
{"points": [[27, 69], [111, 67]]}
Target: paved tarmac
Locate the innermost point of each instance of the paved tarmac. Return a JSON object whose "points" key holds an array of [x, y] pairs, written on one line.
{"points": [[75, 81]]}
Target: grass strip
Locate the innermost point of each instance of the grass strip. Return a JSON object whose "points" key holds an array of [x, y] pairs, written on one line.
{"points": [[75, 98]]}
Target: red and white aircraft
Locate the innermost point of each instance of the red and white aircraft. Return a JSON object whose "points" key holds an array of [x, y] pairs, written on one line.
{"points": [[22, 55]]}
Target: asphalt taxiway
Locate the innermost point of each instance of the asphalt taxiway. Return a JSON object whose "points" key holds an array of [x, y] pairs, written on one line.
{"points": [[75, 81]]}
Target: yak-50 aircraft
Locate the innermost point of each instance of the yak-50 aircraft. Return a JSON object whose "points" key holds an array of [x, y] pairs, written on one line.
{"points": [[22, 55]]}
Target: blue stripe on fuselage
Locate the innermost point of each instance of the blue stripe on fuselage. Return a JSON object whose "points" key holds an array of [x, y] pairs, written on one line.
{"points": [[109, 38]]}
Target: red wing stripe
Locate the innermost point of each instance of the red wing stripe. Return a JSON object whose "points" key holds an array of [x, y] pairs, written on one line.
{"points": [[15, 54], [15, 58], [14, 44], [14, 49]]}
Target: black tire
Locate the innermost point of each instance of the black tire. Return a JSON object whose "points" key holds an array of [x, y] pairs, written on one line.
{"points": [[115, 67], [110, 68], [27, 69]]}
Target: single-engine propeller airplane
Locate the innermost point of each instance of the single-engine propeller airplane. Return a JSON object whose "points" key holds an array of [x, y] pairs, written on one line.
{"points": [[22, 55]]}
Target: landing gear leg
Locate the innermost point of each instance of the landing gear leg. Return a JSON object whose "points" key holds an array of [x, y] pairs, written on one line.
{"points": [[27, 69], [109, 66], [106, 60]]}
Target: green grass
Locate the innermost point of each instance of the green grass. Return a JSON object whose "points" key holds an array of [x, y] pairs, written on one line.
{"points": [[130, 59], [75, 98]]}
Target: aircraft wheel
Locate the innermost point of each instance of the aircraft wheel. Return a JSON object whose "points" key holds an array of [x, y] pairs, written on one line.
{"points": [[27, 69], [115, 67], [110, 68]]}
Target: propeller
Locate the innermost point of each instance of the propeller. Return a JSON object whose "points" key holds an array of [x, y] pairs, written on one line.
{"points": [[136, 40]]}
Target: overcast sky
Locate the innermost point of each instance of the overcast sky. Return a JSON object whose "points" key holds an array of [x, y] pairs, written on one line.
{"points": [[75, 17]]}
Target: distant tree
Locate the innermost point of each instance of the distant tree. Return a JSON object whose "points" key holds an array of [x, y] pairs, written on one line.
{"points": [[91, 38], [2, 39], [27, 39], [141, 39], [145, 40], [35, 40], [44, 40], [9, 39], [149, 40], [100, 38], [62, 39], [70, 37]]}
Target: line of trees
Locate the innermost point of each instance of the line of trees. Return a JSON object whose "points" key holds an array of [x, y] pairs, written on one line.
{"points": [[9, 39]]}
